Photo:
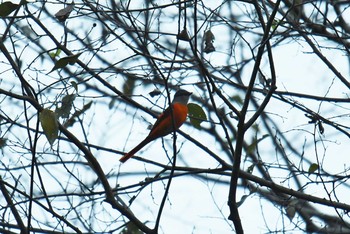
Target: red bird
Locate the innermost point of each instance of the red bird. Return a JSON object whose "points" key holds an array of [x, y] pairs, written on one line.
{"points": [[164, 124]]}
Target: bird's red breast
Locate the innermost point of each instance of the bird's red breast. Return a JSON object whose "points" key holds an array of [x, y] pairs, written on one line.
{"points": [[164, 123]]}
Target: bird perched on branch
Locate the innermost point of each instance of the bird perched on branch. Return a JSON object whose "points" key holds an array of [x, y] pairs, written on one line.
{"points": [[164, 124]]}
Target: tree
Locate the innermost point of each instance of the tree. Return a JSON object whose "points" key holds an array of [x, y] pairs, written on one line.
{"points": [[266, 145]]}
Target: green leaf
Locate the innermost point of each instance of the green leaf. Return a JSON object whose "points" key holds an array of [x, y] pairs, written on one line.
{"points": [[255, 141], [244, 197], [320, 127], [313, 167], [129, 85], [66, 106], [196, 114], [252, 147], [61, 63], [209, 36], [208, 42], [155, 92], [237, 99], [256, 128], [7, 8], [251, 168], [275, 23], [49, 124], [112, 102], [131, 228], [55, 54], [64, 13], [76, 114], [183, 35], [2, 142], [290, 209], [75, 85]]}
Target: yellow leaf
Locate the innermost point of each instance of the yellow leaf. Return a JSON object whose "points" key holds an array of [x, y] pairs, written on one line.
{"points": [[49, 124]]}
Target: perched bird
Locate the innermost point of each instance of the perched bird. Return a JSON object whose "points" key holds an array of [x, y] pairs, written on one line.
{"points": [[164, 124]]}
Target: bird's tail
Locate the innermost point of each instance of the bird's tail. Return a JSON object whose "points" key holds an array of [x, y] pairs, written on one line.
{"points": [[135, 150]]}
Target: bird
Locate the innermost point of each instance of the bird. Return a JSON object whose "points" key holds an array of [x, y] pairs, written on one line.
{"points": [[164, 124]]}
